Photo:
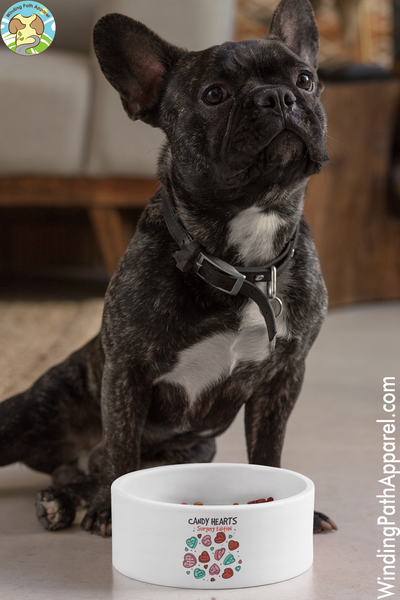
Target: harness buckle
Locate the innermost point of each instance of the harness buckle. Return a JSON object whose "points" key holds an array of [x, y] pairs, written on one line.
{"points": [[226, 268]]}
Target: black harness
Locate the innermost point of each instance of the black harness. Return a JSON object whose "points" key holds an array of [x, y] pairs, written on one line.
{"points": [[221, 275]]}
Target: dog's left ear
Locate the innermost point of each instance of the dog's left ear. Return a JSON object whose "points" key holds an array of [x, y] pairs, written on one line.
{"points": [[136, 62], [294, 24]]}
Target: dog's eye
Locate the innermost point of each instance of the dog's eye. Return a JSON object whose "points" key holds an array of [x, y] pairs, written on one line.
{"points": [[305, 82], [216, 95]]}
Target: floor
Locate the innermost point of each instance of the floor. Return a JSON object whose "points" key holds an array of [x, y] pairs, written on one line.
{"points": [[333, 437]]}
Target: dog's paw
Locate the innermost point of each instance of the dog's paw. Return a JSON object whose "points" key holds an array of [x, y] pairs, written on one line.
{"points": [[98, 517], [323, 523], [97, 522], [54, 509]]}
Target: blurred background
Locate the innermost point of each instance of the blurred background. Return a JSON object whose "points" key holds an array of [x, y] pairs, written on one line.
{"points": [[75, 172]]}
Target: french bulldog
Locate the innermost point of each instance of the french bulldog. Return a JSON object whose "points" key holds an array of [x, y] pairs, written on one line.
{"points": [[219, 296]]}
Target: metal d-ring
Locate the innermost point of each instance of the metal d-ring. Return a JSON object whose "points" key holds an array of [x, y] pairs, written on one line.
{"points": [[280, 306]]}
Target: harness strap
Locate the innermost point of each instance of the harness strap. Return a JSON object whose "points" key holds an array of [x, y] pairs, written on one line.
{"points": [[221, 275]]}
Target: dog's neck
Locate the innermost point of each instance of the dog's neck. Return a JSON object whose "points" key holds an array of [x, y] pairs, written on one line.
{"points": [[239, 231]]}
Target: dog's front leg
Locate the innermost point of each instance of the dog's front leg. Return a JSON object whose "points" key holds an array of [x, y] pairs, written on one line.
{"points": [[267, 412], [125, 400], [266, 416]]}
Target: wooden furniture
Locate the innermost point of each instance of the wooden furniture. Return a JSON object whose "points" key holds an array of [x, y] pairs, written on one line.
{"points": [[347, 208], [101, 197]]}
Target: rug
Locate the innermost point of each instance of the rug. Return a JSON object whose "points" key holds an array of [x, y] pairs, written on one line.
{"points": [[37, 335]]}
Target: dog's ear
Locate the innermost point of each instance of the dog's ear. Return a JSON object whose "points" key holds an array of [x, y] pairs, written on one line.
{"points": [[135, 61], [293, 23]]}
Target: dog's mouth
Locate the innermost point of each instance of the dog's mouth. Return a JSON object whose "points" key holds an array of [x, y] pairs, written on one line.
{"points": [[288, 147]]}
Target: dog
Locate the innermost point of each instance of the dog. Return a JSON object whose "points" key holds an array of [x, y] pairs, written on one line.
{"points": [[28, 31], [219, 296]]}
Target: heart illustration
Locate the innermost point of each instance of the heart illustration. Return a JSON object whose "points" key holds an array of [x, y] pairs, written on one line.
{"points": [[206, 540], [199, 573], [214, 569], [237, 568], [220, 537], [227, 573], [229, 559], [233, 545], [189, 560], [192, 542], [219, 553], [204, 557]]}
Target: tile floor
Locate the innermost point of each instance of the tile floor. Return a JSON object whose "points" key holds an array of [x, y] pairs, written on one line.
{"points": [[332, 437]]}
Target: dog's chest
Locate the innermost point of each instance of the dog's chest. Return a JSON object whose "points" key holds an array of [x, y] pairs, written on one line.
{"points": [[214, 359]]}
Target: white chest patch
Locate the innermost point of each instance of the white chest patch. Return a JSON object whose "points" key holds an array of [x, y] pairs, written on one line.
{"points": [[252, 232], [213, 359]]}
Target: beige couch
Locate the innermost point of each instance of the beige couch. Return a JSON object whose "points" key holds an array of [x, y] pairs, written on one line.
{"points": [[65, 139]]}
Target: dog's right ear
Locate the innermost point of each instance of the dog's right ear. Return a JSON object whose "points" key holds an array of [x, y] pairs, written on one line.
{"points": [[135, 61]]}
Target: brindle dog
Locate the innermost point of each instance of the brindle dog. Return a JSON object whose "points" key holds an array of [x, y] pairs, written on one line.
{"points": [[182, 349]]}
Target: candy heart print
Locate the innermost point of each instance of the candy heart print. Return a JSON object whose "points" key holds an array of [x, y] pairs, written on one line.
{"points": [[220, 537], [214, 569], [189, 560], [219, 553], [204, 557], [233, 545], [227, 573], [199, 573]]}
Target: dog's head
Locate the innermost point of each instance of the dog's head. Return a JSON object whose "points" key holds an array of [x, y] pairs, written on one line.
{"points": [[240, 113]]}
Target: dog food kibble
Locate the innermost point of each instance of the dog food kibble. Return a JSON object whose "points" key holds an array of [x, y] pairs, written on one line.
{"points": [[259, 501]]}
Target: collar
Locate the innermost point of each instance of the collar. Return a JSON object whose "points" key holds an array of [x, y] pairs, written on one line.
{"points": [[224, 277]]}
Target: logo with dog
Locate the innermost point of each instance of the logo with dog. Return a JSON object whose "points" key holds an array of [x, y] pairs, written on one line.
{"points": [[28, 28]]}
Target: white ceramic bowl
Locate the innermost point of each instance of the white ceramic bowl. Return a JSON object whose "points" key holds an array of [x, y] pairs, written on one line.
{"points": [[159, 540]]}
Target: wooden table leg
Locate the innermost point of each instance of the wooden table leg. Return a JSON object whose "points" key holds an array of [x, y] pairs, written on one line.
{"points": [[111, 235]]}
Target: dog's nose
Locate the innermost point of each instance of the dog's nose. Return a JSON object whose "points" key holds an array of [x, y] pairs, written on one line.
{"points": [[274, 98]]}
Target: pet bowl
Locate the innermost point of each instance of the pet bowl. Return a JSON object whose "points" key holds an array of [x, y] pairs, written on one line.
{"points": [[159, 540]]}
